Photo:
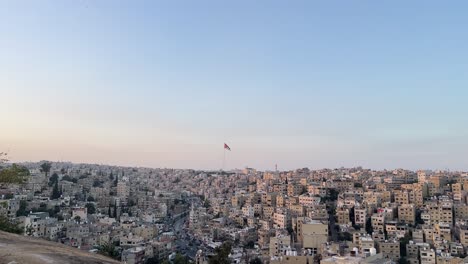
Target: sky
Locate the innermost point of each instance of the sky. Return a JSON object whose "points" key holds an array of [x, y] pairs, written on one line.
{"points": [[379, 84]]}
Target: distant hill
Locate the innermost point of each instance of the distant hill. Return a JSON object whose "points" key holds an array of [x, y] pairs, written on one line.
{"points": [[16, 249]]}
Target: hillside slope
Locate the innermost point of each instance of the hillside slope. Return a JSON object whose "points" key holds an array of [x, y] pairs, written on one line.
{"points": [[27, 250]]}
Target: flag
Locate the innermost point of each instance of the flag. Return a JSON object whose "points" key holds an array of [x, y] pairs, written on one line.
{"points": [[227, 147]]}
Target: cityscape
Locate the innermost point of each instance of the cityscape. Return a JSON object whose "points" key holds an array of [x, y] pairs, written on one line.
{"points": [[145, 215], [233, 132]]}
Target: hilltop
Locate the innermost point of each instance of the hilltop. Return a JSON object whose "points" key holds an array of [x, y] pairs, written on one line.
{"points": [[21, 249]]}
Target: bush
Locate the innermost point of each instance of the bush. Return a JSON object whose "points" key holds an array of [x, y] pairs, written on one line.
{"points": [[90, 208], [97, 183], [345, 236], [22, 209], [221, 254], [7, 226], [67, 178]]}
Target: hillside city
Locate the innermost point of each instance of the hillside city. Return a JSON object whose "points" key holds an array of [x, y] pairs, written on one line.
{"points": [[144, 215]]}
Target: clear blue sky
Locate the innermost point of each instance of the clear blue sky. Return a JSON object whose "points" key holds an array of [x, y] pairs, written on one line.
{"points": [[382, 84]]}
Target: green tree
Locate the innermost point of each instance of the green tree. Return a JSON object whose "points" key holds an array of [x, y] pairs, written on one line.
{"points": [[77, 218], [53, 212], [403, 242], [152, 260], [369, 228], [55, 192], [14, 174], [67, 178], [256, 260], [115, 209], [97, 183], [7, 226], [221, 254], [249, 245], [45, 168], [91, 209], [403, 260], [418, 218], [207, 204], [90, 199], [332, 195], [345, 236], [53, 179], [180, 259], [108, 249]]}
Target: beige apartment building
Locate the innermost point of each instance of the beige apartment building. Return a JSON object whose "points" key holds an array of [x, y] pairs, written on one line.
{"points": [[268, 212], [443, 231], [378, 222], [282, 221], [372, 198], [280, 200], [427, 256], [342, 215], [464, 236], [308, 200], [438, 180], [295, 189], [390, 249], [401, 197], [386, 196], [279, 245], [360, 216], [280, 189], [366, 243], [418, 236], [441, 212], [407, 214], [313, 234], [297, 210], [271, 199]]}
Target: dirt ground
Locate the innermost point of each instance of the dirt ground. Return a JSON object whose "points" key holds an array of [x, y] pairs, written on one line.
{"points": [[15, 249]]}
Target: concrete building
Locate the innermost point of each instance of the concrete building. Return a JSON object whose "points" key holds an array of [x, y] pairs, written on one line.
{"points": [[360, 216], [427, 256], [313, 234], [464, 236], [378, 222], [343, 217], [134, 255], [279, 245], [407, 214], [123, 189], [281, 220], [390, 249]]}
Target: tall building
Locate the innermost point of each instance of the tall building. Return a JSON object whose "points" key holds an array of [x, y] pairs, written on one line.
{"points": [[122, 189], [314, 234], [407, 213]]}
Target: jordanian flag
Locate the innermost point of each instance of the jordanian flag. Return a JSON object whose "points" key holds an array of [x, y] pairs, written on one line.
{"points": [[227, 147]]}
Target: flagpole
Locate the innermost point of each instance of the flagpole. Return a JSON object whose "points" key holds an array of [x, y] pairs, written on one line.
{"points": [[224, 157]]}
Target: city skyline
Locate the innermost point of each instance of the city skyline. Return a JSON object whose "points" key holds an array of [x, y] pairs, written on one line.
{"points": [[378, 85]]}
